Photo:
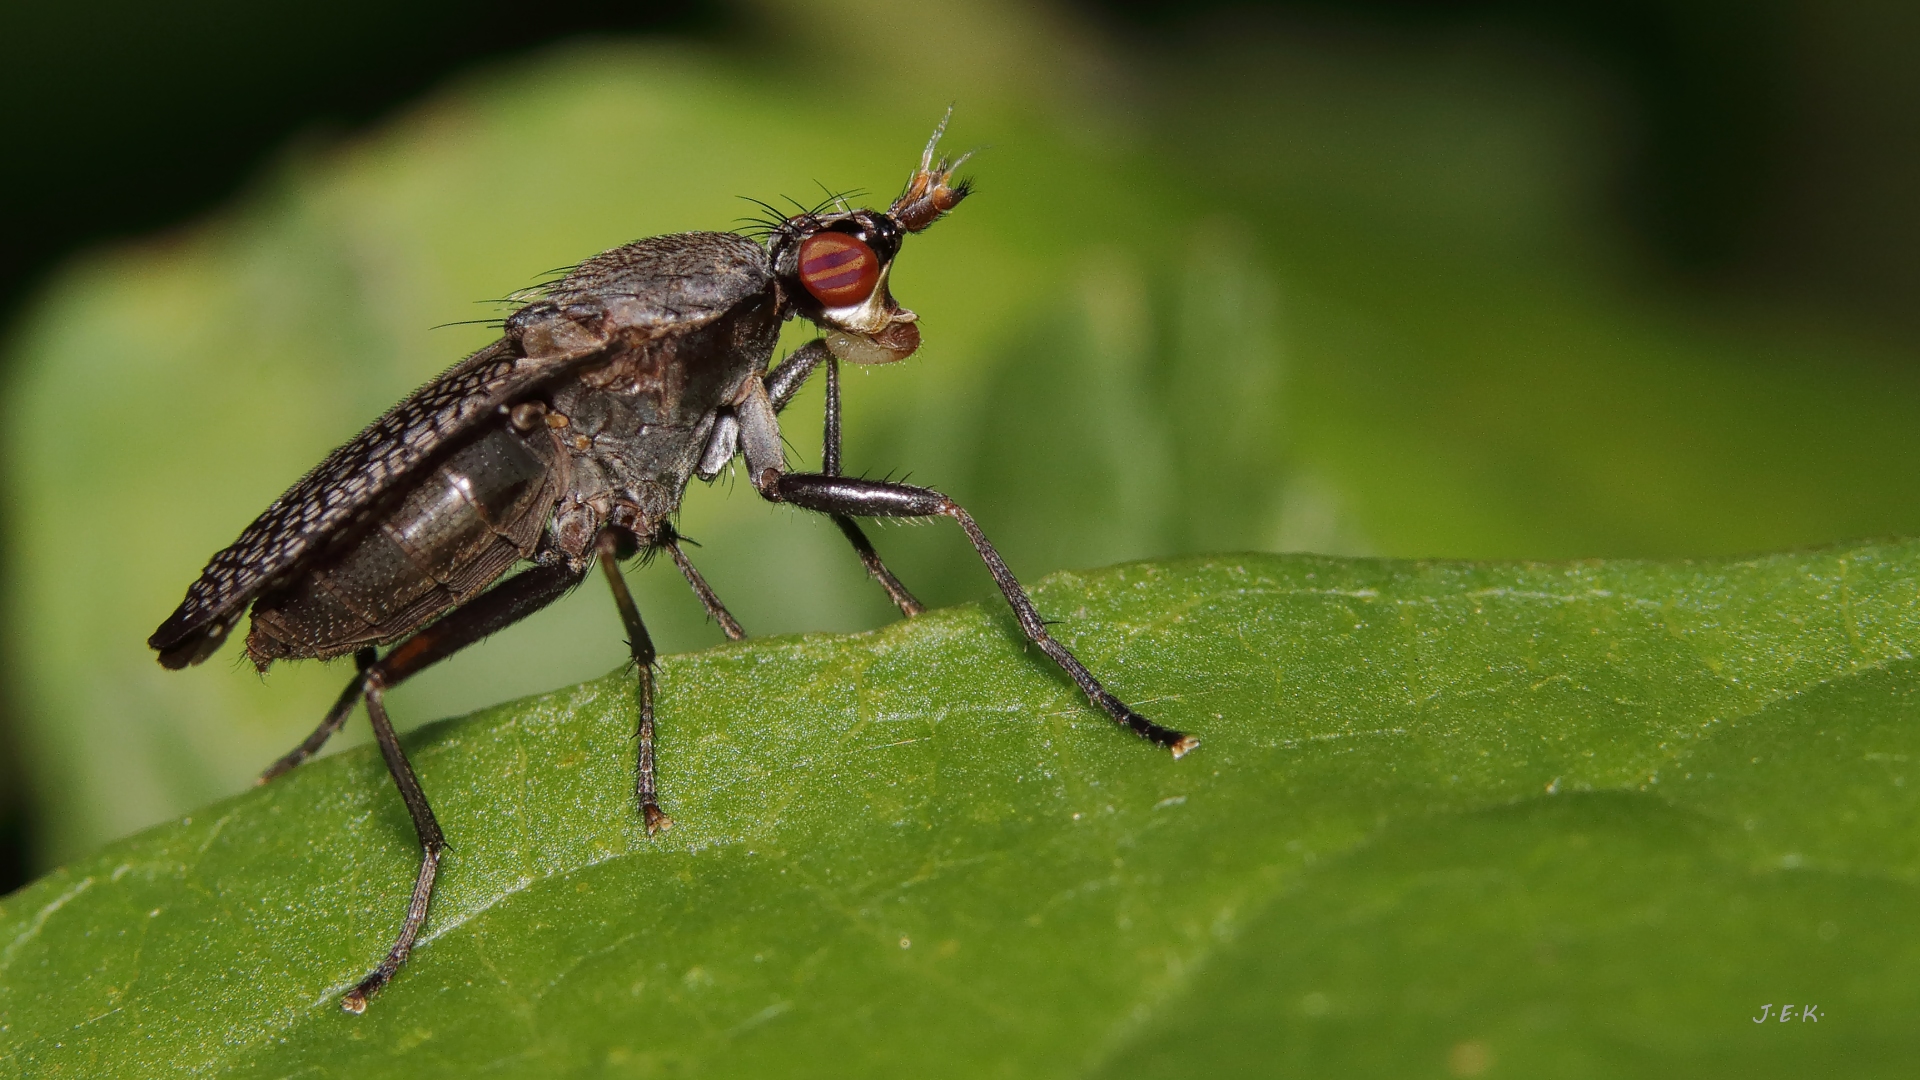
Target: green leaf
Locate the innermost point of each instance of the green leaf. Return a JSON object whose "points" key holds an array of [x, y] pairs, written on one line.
{"points": [[1568, 819]]}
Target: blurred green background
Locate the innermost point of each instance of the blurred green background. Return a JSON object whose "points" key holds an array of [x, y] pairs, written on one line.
{"points": [[1479, 280]]}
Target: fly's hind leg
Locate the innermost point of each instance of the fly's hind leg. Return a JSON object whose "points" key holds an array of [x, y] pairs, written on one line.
{"points": [[432, 843], [641, 645], [496, 609]]}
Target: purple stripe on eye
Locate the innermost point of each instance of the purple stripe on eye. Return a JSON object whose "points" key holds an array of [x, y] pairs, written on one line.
{"points": [[841, 280], [822, 263]]}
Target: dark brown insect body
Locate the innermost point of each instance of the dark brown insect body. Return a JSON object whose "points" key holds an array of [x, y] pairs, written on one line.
{"points": [[612, 445], [570, 441]]}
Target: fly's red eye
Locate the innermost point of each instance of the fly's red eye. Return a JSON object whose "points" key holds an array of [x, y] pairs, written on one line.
{"points": [[837, 269]]}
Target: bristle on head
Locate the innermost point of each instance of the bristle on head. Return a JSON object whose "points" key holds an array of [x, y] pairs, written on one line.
{"points": [[931, 190]]}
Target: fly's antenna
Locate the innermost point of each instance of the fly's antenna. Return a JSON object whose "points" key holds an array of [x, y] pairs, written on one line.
{"points": [[931, 191]]}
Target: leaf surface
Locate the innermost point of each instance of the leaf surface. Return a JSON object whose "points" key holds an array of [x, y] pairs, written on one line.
{"points": [[1447, 819]]}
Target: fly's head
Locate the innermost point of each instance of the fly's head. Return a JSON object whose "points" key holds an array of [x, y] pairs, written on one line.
{"points": [[834, 266]]}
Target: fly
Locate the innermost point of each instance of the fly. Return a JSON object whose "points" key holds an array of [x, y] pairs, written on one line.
{"points": [[569, 442]]}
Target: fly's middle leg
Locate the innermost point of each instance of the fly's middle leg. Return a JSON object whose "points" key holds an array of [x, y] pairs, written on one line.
{"points": [[335, 719], [641, 645], [708, 598]]}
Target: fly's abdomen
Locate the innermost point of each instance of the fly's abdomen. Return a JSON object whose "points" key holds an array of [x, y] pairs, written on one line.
{"points": [[460, 527]]}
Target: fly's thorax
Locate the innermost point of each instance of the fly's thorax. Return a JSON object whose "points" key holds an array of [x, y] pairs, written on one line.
{"points": [[628, 467], [636, 424], [656, 287]]}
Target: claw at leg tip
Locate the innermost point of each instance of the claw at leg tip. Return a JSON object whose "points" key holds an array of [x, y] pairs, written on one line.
{"points": [[354, 1002], [1186, 743], [657, 820]]}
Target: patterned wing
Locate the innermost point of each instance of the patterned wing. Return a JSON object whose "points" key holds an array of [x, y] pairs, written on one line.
{"points": [[336, 494]]}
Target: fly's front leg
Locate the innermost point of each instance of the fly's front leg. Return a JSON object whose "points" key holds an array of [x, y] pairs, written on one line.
{"points": [[643, 656], [789, 375], [491, 611], [908, 604], [874, 498], [780, 386]]}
